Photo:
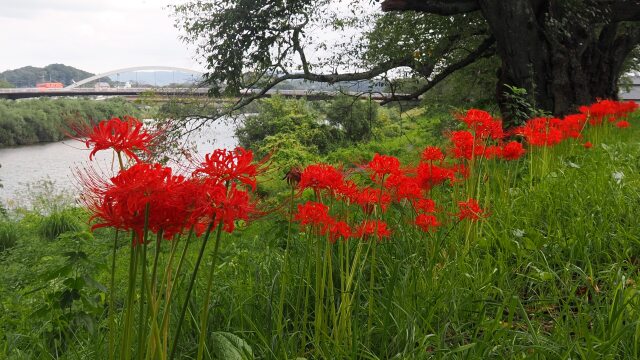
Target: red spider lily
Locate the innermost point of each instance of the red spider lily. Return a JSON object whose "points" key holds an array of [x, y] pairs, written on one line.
{"points": [[321, 177], [377, 228], [230, 165], [235, 206], [403, 186], [122, 135], [339, 229], [313, 213], [425, 205], [368, 198], [465, 145], [482, 124], [348, 191], [626, 107], [217, 203], [601, 110], [572, 125], [492, 151], [513, 150], [541, 131], [432, 175], [432, 153], [427, 222], [622, 124], [383, 165], [123, 203], [587, 145], [471, 210]]}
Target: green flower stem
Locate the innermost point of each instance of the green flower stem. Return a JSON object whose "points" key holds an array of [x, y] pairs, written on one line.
{"points": [[142, 319], [183, 312], [152, 310], [331, 290], [120, 162], [169, 293], [306, 285], [205, 307], [371, 287], [125, 351], [112, 291], [373, 269], [284, 278], [319, 293], [338, 330], [154, 285], [112, 301]]}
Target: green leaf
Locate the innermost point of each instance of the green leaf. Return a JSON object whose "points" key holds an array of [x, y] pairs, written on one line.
{"points": [[230, 347], [94, 284]]}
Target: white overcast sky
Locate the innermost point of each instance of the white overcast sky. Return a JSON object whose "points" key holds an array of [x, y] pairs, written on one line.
{"points": [[92, 35]]}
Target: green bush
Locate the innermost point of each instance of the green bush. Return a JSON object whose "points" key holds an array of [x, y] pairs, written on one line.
{"points": [[356, 118], [58, 223], [8, 235]]}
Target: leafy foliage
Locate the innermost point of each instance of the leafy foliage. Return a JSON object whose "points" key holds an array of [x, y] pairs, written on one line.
{"points": [[5, 84], [278, 116], [356, 118], [45, 120], [58, 223], [8, 235]]}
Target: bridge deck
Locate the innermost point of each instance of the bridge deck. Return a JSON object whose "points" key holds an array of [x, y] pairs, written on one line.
{"points": [[35, 92]]}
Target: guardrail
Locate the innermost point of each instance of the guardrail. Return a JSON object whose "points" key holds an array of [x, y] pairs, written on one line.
{"points": [[21, 93]]}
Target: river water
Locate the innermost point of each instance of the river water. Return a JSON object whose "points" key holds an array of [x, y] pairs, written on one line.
{"points": [[25, 169]]}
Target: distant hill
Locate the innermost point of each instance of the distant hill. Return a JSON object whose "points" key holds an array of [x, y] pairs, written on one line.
{"points": [[28, 76]]}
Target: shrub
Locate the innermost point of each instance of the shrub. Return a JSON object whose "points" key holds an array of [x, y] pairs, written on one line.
{"points": [[8, 236], [57, 223]]}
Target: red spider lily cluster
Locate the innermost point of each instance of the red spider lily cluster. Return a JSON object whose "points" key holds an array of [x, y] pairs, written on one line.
{"points": [[151, 197], [391, 183], [485, 137], [608, 110], [552, 131]]}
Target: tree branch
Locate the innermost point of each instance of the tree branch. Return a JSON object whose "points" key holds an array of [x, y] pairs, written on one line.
{"points": [[484, 50], [625, 10], [248, 96], [452, 7]]}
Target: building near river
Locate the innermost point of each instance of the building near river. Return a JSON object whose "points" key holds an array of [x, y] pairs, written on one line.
{"points": [[49, 85], [633, 91]]}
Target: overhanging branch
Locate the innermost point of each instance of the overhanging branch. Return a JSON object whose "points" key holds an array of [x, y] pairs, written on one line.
{"points": [[484, 50], [324, 78], [439, 7]]}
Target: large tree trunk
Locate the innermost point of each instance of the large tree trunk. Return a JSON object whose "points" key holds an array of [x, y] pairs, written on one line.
{"points": [[563, 53], [560, 64]]}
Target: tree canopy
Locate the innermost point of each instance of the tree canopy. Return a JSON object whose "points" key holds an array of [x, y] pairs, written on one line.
{"points": [[563, 53]]}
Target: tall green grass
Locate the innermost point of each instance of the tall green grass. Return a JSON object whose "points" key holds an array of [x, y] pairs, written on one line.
{"points": [[552, 273]]}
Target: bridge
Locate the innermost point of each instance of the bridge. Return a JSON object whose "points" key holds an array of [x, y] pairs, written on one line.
{"points": [[25, 93], [76, 89]]}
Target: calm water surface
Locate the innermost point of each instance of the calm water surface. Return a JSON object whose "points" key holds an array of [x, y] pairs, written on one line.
{"points": [[57, 161]]}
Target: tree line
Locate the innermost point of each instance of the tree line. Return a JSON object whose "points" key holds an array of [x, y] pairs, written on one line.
{"points": [[45, 120]]}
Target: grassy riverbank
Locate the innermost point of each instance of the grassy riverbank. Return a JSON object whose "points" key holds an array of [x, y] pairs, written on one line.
{"points": [[29, 122], [551, 272]]}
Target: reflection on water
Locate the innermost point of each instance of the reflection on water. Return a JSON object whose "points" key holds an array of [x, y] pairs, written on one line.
{"points": [[56, 161]]}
